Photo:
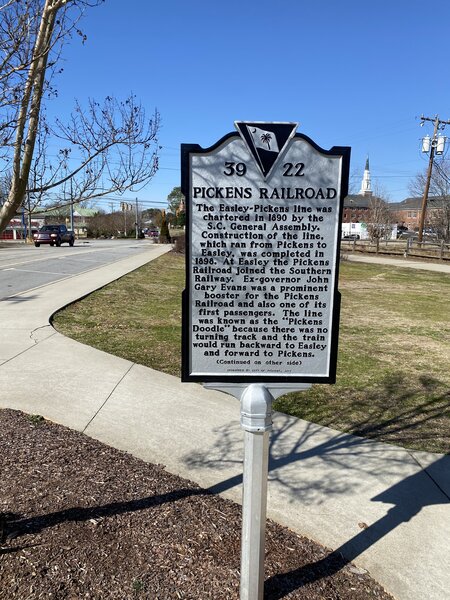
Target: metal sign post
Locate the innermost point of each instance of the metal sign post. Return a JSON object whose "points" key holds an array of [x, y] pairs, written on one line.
{"points": [[256, 421], [261, 302]]}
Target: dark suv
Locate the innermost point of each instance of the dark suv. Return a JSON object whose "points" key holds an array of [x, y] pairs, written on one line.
{"points": [[55, 235]]}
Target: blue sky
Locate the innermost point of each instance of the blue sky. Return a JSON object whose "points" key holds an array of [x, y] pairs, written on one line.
{"points": [[352, 73]]}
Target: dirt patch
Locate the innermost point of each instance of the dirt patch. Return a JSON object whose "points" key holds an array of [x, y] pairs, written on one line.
{"points": [[79, 519]]}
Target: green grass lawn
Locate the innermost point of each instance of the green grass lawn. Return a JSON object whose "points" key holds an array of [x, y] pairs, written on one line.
{"points": [[393, 376]]}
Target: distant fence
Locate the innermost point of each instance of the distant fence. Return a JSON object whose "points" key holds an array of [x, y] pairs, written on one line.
{"points": [[406, 247]]}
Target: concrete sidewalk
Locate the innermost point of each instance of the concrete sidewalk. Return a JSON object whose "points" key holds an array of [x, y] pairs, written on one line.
{"points": [[404, 263], [383, 507]]}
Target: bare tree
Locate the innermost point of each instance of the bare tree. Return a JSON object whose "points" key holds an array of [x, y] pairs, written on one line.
{"points": [[115, 143], [107, 224], [354, 183], [439, 203], [379, 219]]}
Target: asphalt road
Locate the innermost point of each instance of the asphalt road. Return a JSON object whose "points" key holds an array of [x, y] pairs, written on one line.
{"points": [[24, 267]]}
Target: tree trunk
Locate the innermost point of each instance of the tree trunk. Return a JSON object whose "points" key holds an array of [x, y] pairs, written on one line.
{"points": [[28, 118]]}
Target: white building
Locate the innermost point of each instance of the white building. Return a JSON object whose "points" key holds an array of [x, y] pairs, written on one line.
{"points": [[366, 188]]}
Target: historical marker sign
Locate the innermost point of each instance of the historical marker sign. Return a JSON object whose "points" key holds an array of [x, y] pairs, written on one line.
{"points": [[262, 255]]}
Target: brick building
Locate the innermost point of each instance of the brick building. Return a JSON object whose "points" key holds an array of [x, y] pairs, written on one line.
{"points": [[356, 208], [408, 211]]}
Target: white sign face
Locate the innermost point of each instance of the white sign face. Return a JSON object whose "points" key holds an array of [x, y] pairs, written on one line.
{"points": [[261, 301]]}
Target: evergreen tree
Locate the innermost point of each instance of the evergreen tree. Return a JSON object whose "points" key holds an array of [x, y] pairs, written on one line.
{"points": [[164, 235]]}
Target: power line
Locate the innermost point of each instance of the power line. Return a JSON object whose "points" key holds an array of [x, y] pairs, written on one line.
{"points": [[109, 199]]}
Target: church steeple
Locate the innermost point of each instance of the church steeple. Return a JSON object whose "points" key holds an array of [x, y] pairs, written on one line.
{"points": [[366, 188]]}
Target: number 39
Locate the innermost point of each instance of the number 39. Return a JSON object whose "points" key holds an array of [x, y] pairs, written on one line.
{"points": [[232, 168]]}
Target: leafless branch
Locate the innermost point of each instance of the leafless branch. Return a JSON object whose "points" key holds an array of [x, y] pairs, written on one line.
{"points": [[116, 145]]}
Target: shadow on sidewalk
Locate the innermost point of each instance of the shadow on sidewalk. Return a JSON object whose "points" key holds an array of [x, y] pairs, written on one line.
{"points": [[409, 497], [298, 448], [309, 464]]}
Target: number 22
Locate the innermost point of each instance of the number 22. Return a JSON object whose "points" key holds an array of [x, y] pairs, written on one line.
{"points": [[294, 170]]}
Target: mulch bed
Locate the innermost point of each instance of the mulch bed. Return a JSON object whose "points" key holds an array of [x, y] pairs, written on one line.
{"points": [[79, 519]]}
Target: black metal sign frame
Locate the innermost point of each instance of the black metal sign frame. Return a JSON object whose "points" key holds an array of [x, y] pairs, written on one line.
{"points": [[267, 165]]}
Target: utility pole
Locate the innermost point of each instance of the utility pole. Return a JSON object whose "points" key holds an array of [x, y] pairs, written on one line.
{"points": [[29, 232], [434, 145], [124, 208], [71, 205], [136, 220]]}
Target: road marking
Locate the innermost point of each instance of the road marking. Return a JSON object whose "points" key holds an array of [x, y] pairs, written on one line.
{"points": [[43, 272], [65, 276], [47, 257]]}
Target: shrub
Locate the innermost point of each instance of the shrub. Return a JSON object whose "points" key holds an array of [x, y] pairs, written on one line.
{"points": [[164, 235]]}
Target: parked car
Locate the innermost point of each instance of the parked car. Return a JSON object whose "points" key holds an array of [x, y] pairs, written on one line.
{"points": [[408, 234], [55, 235], [153, 233], [351, 236]]}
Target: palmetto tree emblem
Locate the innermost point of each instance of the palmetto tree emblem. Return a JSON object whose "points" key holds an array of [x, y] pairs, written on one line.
{"points": [[266, 139]]}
